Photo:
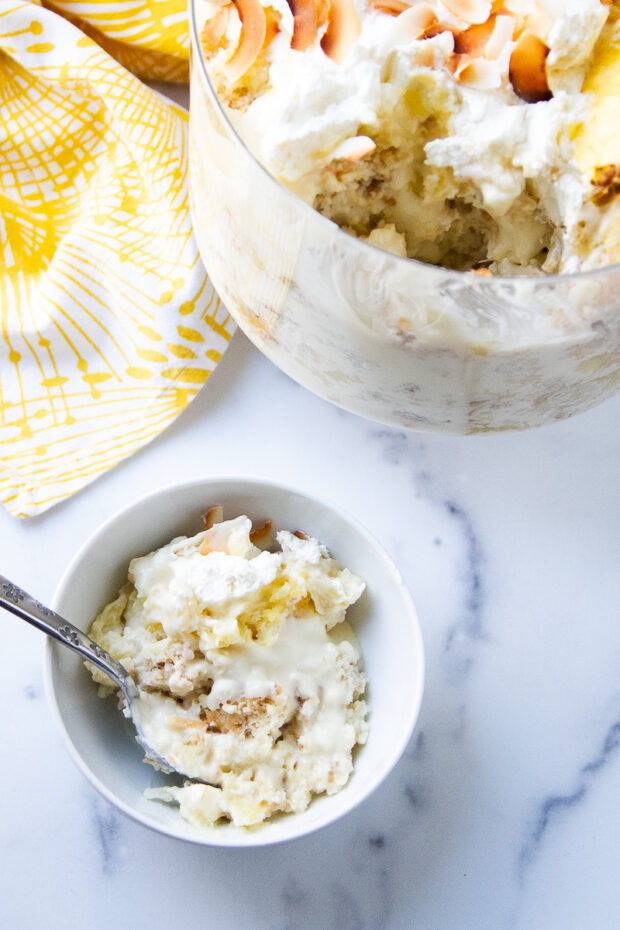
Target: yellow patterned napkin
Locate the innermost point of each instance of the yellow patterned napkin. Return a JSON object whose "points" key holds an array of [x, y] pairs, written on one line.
{"points": [[109, 324], [150, 37]]}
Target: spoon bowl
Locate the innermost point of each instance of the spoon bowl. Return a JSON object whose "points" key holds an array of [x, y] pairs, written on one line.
{"points": [[17, 601]]}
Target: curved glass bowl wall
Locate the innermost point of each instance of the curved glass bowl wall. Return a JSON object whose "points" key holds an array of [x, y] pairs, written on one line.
{"points": [[391, 339]]}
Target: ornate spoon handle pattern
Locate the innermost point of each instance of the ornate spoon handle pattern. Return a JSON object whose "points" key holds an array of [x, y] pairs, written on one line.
{"points": [[19, 602], [23, 605]]}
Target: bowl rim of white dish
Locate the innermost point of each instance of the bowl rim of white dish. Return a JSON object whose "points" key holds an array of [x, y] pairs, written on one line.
{"points": [[446, 273], [220, 837]]}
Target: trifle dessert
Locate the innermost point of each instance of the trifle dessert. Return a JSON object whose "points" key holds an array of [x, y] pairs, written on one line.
{"points": [[481, 138], [471, 134], [249, 677]]}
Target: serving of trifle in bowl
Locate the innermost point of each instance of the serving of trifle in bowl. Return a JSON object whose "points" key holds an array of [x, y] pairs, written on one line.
{"points": [[412, 207]]}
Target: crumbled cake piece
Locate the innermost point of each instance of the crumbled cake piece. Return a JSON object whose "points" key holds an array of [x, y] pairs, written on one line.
{"points": [[241, 682]]}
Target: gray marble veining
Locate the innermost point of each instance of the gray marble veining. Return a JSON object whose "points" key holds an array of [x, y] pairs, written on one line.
{"points": [[503, 813]]}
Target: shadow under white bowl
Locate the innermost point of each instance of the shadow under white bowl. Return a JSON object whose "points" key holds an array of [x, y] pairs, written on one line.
{"points": [[101, 741]]}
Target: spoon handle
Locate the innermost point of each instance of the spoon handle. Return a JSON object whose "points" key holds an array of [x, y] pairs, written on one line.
{"points": [[19, 602]]}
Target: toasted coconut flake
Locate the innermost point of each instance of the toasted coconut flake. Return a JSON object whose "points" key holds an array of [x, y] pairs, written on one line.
{"points": [[354, 149], [308, 17], [343, 28], [527, 72], [503, 31], [478, 73], [253, 34], [539, 21], [212, 516], [415, 20], [472, 11], [519, 7], [436, 29], [393, 7], [424, 55], [473, 40], [530, 15], [458, 62], [261, 533], [214, 30], [300, 535], [488, 39]]}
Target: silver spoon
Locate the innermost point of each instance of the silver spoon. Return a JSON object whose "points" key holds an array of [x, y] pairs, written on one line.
{"points": [[19, 602]]}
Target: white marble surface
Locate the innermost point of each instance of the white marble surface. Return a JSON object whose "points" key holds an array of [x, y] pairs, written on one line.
{"points": [[505, 810]]}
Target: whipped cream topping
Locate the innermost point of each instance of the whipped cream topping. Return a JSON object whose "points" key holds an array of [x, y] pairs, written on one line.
{"points": [[457, 138], [241, 682]]}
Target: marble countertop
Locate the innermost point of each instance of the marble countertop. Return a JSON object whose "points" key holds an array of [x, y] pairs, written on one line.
{"points": [[504, 811], [503, 814]]}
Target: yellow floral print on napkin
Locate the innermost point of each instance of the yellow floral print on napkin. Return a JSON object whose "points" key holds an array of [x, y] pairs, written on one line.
{"points": [[149, 37], [109, 325]]}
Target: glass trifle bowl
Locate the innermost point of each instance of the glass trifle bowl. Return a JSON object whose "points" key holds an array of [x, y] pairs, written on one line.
{"points": [[392, 339]]}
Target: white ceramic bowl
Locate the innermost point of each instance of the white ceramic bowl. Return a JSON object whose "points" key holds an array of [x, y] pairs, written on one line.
{"points": [[99, 739]]}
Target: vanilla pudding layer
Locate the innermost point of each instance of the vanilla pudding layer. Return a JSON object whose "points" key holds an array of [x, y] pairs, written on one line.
{"points": [[442, 131], [249, 678]]}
